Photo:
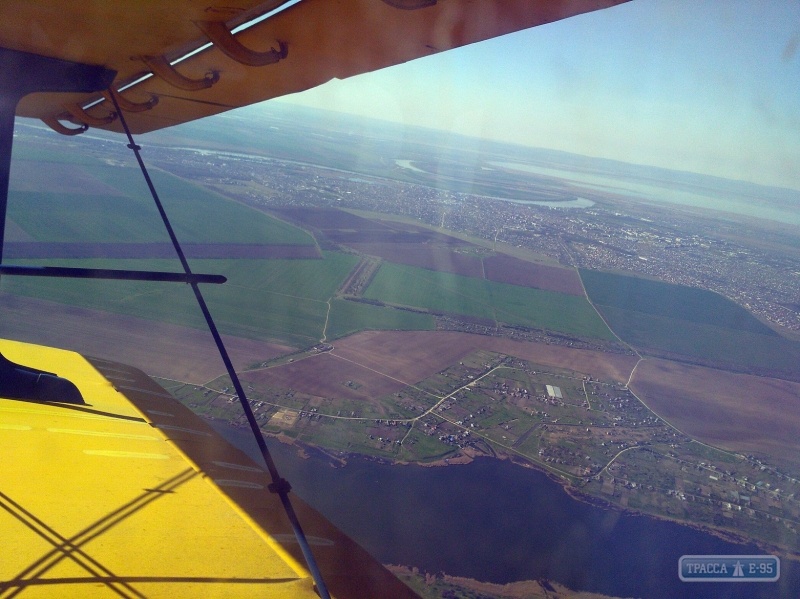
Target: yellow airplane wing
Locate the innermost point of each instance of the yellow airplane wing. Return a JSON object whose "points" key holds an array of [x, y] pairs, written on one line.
{"points": [[221, 67], [132, 495]]}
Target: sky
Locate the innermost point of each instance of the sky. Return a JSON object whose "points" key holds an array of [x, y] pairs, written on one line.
{"points": [[706, 86]]}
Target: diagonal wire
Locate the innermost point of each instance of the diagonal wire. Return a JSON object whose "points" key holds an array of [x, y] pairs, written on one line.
{"points": [[98, 528], [71, 548], [279, 485]]}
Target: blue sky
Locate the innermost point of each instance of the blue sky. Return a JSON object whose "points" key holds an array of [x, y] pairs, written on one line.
{"points": [[705, 86]]}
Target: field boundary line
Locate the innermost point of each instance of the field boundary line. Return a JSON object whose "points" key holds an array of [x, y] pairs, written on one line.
{"points": [[672, 426], [605, 322], [381, 373], [633, 371], [630, 378]]}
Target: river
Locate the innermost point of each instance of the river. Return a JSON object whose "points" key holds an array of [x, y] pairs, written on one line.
{"points": [[499, 522], [665, 192]]}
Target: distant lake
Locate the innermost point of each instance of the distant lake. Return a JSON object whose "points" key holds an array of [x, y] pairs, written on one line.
{"points": [[495, 521], [654, 191], [576, 203], [407, 164]]}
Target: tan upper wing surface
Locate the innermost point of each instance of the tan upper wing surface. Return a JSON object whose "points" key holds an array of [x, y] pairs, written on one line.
{"points": [[298, 48]]}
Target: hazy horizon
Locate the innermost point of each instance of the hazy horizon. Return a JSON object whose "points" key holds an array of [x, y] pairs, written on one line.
{"points": [[700, 87], [521, 146]]}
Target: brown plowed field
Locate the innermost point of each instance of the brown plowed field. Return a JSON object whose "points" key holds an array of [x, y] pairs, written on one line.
{"points": [[424, 256], [159, 349], [415, 355], [505, 269], [324, 376], [739, 412], [345, 228], [328, 218], [406, 236], [42, 249], [384, 361]]}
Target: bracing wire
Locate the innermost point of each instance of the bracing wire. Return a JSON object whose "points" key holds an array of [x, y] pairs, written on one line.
{"points": [[279, 485]]}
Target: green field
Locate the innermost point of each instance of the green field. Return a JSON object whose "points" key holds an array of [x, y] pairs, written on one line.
{"points": [[282, 300], [310, 279], [117, 207], [444, 292], [72, 197], [348, 317], [728, 346], [252, 311], [34, 152], [670, 301], [688, 321]]}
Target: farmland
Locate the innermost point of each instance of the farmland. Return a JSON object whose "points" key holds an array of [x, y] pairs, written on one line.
{"points": [[671, 301], [350, 317], [160, 349], [411, 245], [85, 212], [381, 362], [329, 219], [426, 350], [431, 257], [705, 344], [163, 250], [412, 393], [448, 293], [95, 202], [586, 428], [263, 299], [738, 412], [505, 269], [676, 321]]}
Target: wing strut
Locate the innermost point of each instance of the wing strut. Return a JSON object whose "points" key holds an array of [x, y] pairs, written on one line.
{"points": [[279, 485]]}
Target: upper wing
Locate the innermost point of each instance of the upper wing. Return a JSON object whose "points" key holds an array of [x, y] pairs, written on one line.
{"points": [[300, 47]]}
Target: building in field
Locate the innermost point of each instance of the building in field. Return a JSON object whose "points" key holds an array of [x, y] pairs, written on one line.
{"points": [[553, 392]]}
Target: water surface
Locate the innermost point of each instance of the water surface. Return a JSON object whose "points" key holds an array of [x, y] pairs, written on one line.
{"points": [[495, 521], [760, 207]]}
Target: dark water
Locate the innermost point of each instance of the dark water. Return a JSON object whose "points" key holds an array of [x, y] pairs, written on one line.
{"points": [[494, 521]]}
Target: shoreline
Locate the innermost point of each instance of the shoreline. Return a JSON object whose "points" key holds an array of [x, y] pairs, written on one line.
{"points": [[463, 458], [522, 589]]}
